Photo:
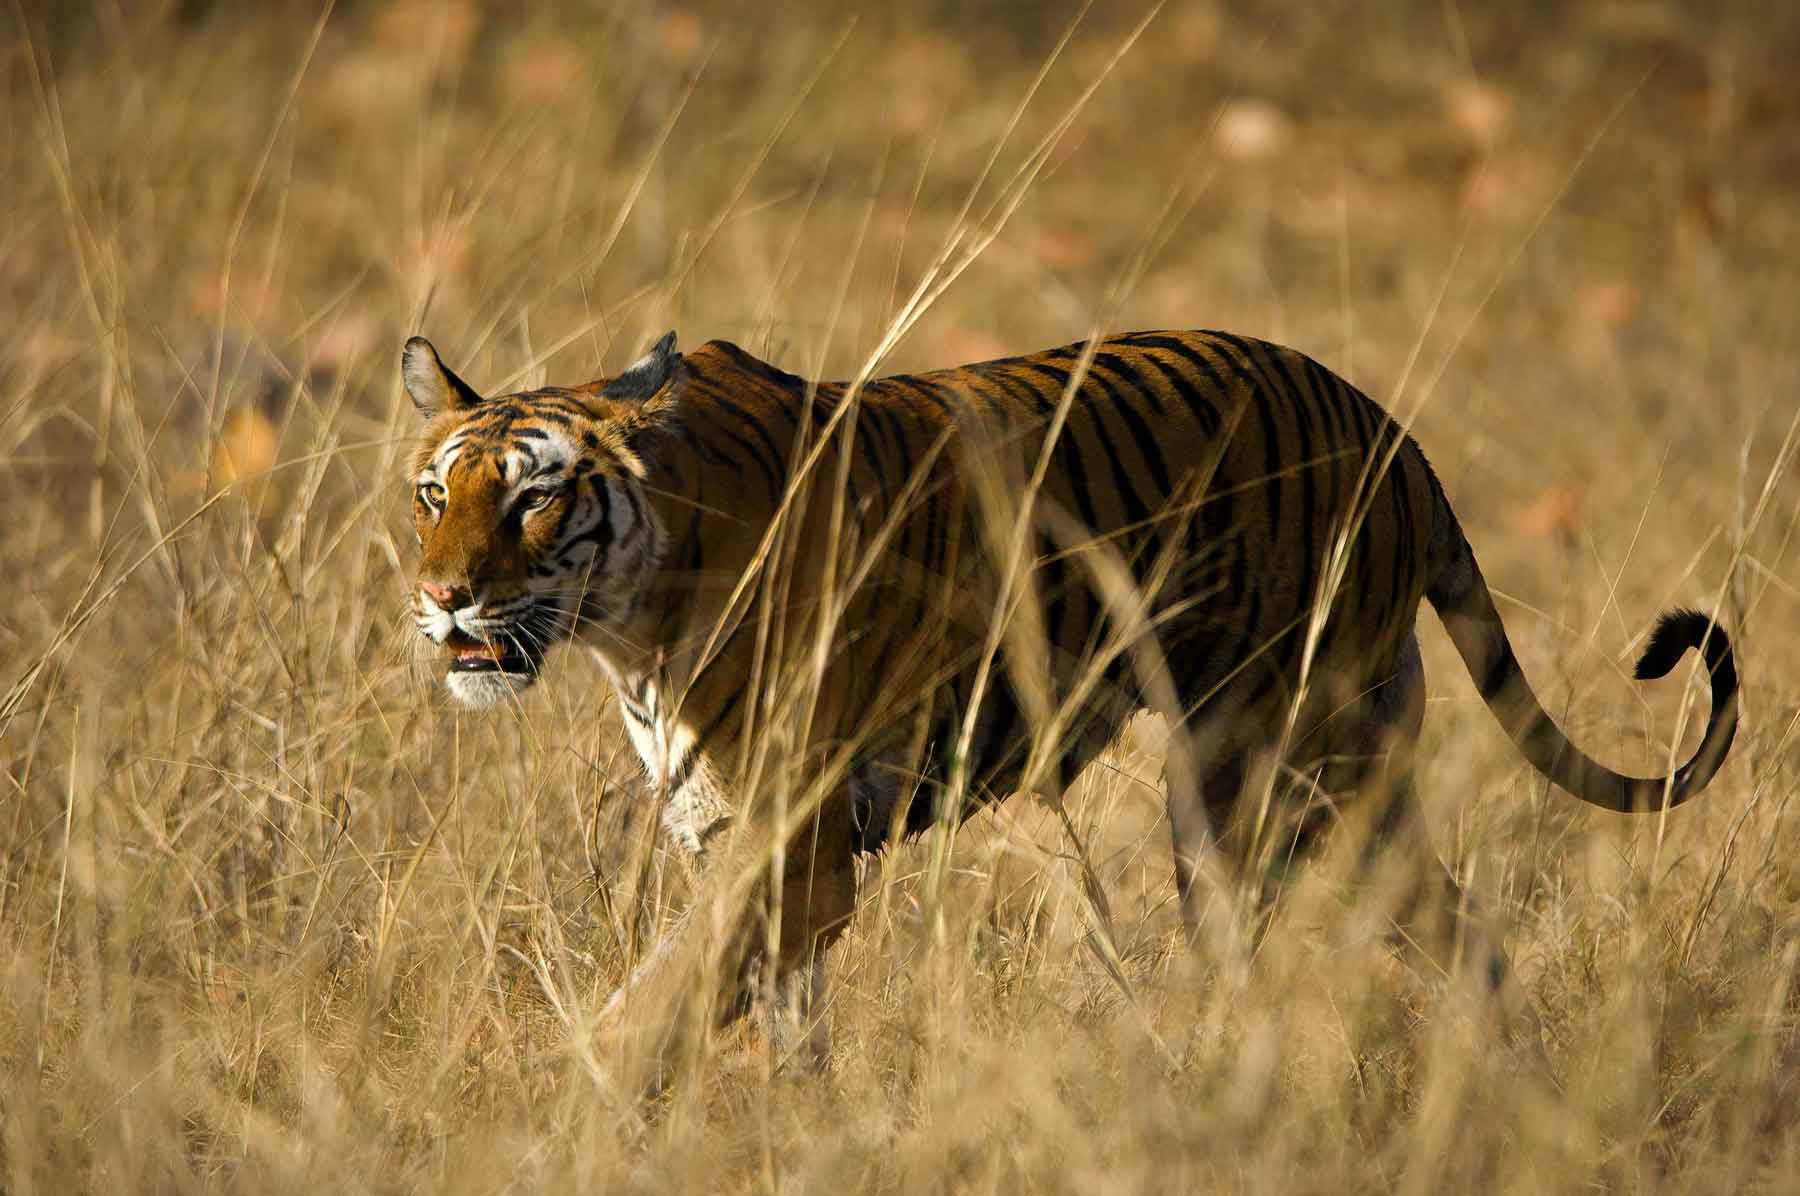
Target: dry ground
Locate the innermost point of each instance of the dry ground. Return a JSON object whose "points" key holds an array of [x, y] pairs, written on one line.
{"points": [[272, 918]]}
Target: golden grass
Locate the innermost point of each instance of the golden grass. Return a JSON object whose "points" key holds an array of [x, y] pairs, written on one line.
{"points": [[272, 917]]}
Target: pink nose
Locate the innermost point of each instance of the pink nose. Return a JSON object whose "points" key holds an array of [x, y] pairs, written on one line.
{"points": [[443, 595]]}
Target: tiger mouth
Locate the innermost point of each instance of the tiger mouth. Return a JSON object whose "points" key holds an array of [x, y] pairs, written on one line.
{"points": [[471, 655]]}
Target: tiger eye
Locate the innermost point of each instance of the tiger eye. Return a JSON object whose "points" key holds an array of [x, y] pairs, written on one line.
{"points": [[538, 497]]}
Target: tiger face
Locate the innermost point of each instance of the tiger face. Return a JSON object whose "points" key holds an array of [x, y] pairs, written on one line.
{"points": [[530, 515]]}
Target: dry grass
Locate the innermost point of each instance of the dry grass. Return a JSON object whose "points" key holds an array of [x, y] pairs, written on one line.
{"points": [[273, 918]]}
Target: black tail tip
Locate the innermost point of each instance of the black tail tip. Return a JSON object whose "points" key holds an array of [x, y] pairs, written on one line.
{"points": [[1675, 633]]}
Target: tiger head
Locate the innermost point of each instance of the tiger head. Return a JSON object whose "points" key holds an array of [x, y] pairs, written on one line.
{"points": [[531, 515]]}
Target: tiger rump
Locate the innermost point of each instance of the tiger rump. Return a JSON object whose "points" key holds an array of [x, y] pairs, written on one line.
{"points": [[1225, 532]]}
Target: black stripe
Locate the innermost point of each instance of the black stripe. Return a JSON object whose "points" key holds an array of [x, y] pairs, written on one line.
{"points": [[1128, 374], [773, 464], [1068, 457], [679, 775], [866, 433], [1312, 551], [1052, 587], [934, 552], [1272, 455], [1140, 431], [1500, 669], [750, 451], [1135, 510], [1405, 560], [912, 385], [1202, 409], [731, 703], [822, 407], [887, 422], [562, 524], [1020, 392]]}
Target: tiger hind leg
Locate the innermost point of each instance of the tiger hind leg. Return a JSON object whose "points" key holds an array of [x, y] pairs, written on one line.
{"points": [[1198, 810], [1356, 781], [1432, 920], [1380, 825]]}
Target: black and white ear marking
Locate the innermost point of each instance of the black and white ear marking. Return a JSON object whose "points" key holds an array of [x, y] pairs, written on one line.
{"points": [[647, 375], [432, 387]]}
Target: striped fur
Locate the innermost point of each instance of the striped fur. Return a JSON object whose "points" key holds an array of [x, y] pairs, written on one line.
{"points": [[1224, 532]]}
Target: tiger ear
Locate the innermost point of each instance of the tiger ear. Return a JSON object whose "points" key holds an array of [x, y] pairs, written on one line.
{"points": [[646, 377], [431, 385]]}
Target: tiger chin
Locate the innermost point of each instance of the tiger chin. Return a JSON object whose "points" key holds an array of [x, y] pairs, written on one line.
{"points": [[485, 681], [1209, 526]]}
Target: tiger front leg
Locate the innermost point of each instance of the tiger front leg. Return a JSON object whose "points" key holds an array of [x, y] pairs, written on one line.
{"points": [[695, 819], [754, 938], [774, 909], [654, 1023], [807, 906]]}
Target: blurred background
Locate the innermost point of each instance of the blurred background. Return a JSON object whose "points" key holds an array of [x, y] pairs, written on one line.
{"points": [[272, 917]]}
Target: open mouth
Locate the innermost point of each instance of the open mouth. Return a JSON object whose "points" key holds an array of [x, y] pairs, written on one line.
{"points": [[471, 655]]}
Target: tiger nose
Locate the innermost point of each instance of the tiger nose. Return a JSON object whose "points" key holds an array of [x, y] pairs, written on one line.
{"points": [[445, 596]]}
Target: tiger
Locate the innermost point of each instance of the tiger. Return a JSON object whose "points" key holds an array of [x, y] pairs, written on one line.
{"points": [[975, 577]]}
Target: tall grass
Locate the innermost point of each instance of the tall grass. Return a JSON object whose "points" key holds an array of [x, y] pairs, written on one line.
{"points": [[272, 916]]}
